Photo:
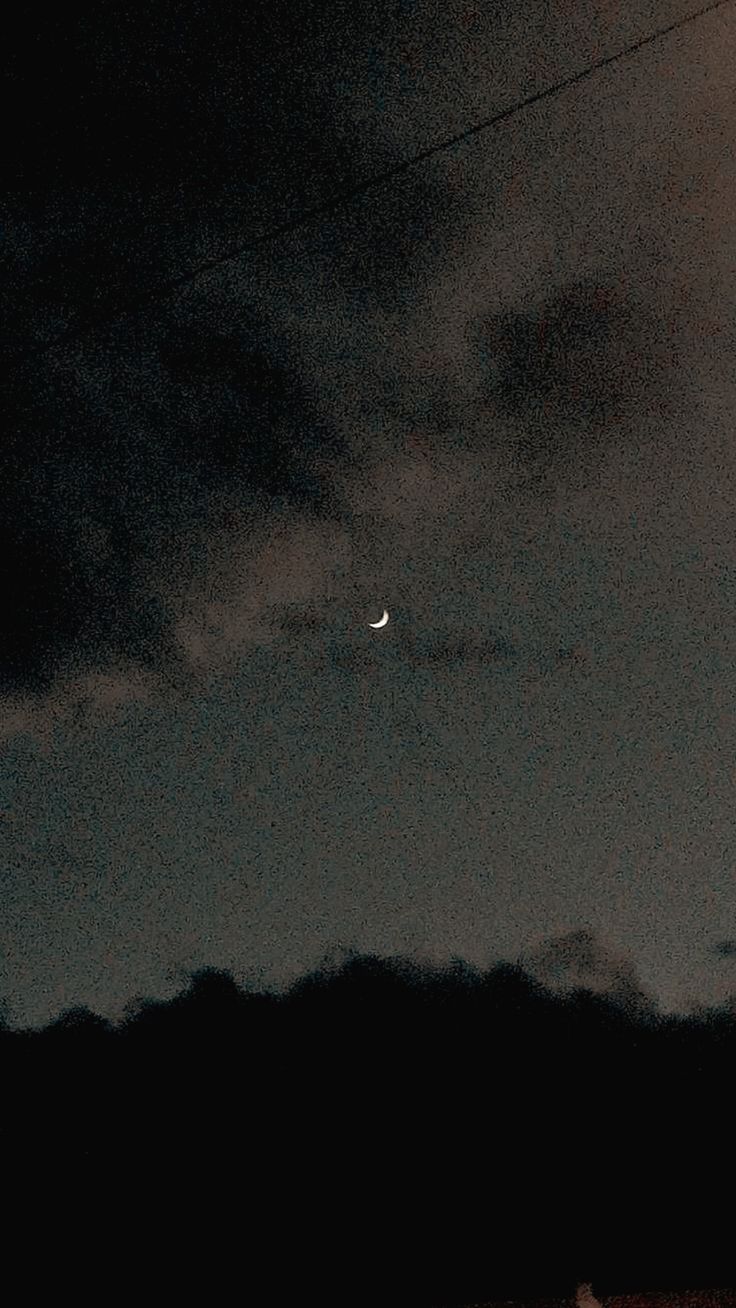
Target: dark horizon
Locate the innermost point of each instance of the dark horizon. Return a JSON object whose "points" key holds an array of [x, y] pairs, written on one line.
{"points": [[388, 1089]]}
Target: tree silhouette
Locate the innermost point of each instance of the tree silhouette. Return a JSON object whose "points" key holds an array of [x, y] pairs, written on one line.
{"points": [[399, 1133]]}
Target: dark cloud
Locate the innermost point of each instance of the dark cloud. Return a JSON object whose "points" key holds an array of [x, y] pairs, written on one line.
{"points": [[146, 144], [134, 160], [135, 435], [440, 649], [391, 239], [150, 132], [447, 648], [726, 948], [578, 960], [130, 457], [576, 369], [232, 409]]}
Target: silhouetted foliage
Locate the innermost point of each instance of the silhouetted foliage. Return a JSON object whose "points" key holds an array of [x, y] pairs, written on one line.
{"points": [[400, 1134]]}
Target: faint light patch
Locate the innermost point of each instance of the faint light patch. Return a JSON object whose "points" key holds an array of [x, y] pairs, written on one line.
{"points": [[240, 593], [250, 586], [584, 1297], [74, 699]]}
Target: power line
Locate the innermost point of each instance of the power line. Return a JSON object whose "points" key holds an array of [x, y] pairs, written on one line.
{"points": [[163, 289]]}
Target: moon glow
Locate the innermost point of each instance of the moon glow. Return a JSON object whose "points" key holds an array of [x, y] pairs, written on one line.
{"points": [[382, 622]]}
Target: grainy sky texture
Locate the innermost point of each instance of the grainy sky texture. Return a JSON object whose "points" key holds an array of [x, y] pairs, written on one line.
{"points": [[494, 395]]}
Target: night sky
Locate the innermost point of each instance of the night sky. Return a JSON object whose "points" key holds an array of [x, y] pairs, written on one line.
{"points": [[252, 401]]}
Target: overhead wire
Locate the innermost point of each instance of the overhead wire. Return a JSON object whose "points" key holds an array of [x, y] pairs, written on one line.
{"points": [[166, 288]]}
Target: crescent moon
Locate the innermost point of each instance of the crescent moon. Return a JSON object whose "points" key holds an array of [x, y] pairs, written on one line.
{"points": [[382, 622]]}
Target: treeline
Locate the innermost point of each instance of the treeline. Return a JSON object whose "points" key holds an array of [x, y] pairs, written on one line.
{"points": [[386, 1133]]}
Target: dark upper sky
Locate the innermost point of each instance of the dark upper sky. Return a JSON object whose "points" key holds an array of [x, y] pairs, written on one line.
{"points": [[494, 396]]}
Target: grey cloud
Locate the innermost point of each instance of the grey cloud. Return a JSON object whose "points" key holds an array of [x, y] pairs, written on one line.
{"points": [[578, 960]]}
